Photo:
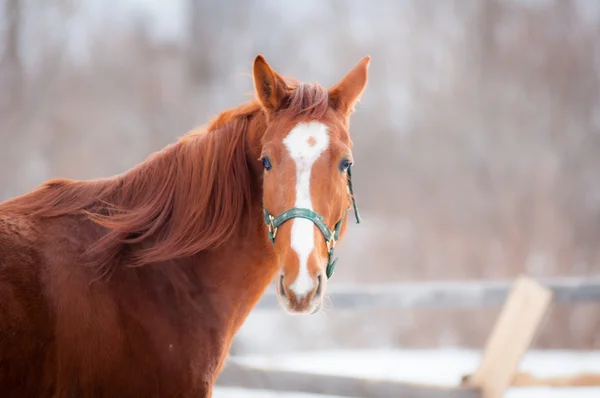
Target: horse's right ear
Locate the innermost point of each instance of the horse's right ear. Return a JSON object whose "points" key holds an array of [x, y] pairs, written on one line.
{"points": [[346, 93], [269, 86]]}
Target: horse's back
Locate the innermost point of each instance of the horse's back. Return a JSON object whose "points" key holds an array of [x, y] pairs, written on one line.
{"points": [[25, 324]]}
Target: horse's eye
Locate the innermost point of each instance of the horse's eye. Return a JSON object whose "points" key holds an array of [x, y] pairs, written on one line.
{"points": [[266, 163], [344, 165]]}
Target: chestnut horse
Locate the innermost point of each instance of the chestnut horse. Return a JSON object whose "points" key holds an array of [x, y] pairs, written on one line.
{"points": [[134, 286]]}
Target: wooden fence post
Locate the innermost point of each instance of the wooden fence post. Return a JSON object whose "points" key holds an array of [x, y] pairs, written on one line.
{"points": [[513, 332]]}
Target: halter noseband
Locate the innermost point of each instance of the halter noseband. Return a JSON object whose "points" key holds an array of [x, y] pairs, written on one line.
{"points": [[331, 236]]}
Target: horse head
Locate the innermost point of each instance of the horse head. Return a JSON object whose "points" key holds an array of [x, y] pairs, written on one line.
{"points": [[307, 189]]}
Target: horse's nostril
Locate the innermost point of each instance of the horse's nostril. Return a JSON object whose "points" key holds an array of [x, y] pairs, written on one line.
{"points": [[281, 289], [318, 292]]}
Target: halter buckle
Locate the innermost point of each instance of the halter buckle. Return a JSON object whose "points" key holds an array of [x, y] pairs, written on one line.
{"points": [[272, 228], [331, 242]]}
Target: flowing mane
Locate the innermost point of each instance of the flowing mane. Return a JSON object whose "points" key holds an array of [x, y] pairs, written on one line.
{"points": [[180, 201]]}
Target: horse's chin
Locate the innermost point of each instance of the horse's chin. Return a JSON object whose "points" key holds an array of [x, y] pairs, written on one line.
{"points": [[295, 311], [306, 312]]}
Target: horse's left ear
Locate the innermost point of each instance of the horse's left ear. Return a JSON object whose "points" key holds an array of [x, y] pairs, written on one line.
{"points": [[269, 86], [347, 91]]}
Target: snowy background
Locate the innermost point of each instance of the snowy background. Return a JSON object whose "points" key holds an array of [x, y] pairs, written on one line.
{"points": [[477, 142]]}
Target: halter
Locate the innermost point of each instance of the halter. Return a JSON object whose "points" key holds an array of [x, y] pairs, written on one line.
{"points": [[331, 236]]}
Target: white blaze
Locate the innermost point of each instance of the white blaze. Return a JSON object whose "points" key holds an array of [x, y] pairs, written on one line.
{"points": [[305, 143]]}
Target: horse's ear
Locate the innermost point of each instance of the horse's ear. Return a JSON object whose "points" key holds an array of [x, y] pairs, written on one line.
{"points": [[347, 91], [269, 86]]}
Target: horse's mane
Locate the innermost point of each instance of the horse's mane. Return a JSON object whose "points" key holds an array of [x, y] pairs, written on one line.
{"points": [[180, 201]]}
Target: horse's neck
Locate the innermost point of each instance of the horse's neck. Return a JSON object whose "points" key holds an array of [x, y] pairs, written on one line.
{"points": [[228, 282], [240, 271], [210, 294], [235, 275]]}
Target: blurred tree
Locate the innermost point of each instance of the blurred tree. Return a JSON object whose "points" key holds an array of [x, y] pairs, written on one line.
{"points": [[11, 72]]}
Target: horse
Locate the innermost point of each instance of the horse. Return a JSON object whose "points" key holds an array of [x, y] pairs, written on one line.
{"points": [[135, 285]]}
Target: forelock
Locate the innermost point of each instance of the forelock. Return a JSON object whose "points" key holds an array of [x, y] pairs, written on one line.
{"points": [[307, 99]]}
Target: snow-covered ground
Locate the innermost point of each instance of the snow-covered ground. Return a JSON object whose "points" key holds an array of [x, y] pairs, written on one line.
{"points": [[241, 393], [442, 367]]}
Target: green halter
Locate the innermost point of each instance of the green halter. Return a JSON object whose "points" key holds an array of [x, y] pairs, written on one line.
{"points": [[331, 236]]}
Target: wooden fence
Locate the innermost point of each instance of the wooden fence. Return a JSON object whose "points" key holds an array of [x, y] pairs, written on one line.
{"points": [[524, 303], [238, 375]]}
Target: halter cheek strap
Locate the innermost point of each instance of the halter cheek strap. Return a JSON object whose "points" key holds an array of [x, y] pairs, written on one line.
{"points": [[331, 236]]}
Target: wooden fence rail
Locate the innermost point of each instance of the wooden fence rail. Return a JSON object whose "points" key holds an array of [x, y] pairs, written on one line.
{"points": [[245, 376], [472, 294]]}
